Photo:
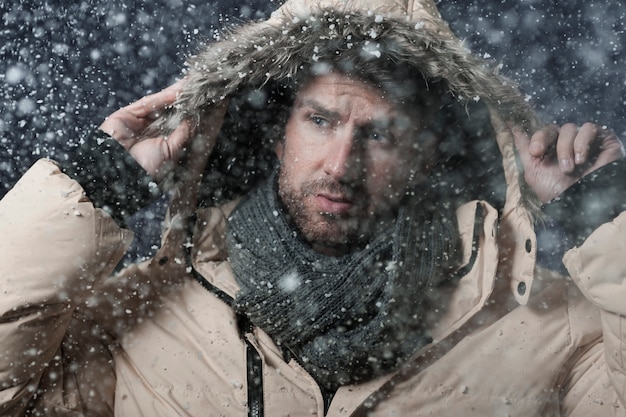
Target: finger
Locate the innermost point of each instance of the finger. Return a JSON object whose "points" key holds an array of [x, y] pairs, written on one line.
{"points": [[122, 128], [177, 140], [611, 143], [565, 147], [588, 136], [610, 150], [151, 105], [542, 140]]}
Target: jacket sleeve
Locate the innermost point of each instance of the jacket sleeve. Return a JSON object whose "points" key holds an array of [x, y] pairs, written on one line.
{"points": [[598, 268], [55, 250], [596, 199], [592, 217], [110, 176]]}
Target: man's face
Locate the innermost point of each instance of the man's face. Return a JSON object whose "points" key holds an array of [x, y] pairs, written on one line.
{"points": [[348, 157]]}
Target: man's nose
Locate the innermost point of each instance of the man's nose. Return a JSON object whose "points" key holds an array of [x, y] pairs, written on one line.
{"points": [[343, 157]]}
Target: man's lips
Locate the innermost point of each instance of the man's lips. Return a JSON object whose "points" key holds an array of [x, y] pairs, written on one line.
{"points": [[333, 203]]}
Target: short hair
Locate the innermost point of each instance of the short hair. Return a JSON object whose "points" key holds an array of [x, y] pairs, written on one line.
{"points": [[372, 63]]}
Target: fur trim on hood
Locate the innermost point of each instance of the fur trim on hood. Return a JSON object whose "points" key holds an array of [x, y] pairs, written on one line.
{"points": [[256, 53], [251, 61]]}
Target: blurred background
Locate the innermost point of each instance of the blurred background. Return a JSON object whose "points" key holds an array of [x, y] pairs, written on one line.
{"points": [[64, 66]]}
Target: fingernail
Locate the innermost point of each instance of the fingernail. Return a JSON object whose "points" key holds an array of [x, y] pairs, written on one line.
{"points": [[578, 157], [566, 164], [535, 148]]}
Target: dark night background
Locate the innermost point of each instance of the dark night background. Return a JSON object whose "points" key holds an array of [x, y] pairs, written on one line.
{"points": [[64, 66]]}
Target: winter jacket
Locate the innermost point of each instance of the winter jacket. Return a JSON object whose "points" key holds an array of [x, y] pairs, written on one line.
{"points": [[515, 333]]}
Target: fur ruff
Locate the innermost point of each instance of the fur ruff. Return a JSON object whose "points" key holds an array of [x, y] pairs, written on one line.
{"points": [[255, 53], [261, 54]]}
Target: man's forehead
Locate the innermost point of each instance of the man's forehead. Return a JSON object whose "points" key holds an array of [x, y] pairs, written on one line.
{"points": [[338, 93], [340, 83]]}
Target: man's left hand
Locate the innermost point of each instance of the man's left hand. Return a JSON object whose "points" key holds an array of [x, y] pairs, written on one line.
{"points": [[555, 158], [154, 154]]}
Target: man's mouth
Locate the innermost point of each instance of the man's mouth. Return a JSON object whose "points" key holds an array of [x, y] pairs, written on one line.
{"points": [[333, 203]]}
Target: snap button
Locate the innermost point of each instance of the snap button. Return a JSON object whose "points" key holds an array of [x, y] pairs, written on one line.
{"points": [[529, 245], [521, 288]]}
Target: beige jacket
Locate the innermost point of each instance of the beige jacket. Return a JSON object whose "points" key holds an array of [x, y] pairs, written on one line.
{"points": [[157, 339]]}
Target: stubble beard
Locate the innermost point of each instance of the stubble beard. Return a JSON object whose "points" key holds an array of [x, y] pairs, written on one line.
{"points": [[326, 229]]}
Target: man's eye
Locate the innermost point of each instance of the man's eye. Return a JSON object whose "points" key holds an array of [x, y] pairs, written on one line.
{"points": [[319, 121], [377, 136]]}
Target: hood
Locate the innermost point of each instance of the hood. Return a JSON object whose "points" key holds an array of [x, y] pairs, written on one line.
{"points": [[250, 66]]}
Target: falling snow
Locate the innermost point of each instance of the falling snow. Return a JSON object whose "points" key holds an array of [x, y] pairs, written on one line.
{"points": [[65, 66]]}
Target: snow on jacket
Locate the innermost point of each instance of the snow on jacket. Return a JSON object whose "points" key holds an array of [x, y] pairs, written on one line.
{"points": [[160, 338]]}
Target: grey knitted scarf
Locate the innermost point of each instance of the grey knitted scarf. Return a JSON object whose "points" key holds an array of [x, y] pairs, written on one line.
{"points": [[350, 318]]}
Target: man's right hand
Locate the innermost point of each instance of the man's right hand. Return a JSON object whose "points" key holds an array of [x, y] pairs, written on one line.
{"points": [[555, 158], [127, 125]]}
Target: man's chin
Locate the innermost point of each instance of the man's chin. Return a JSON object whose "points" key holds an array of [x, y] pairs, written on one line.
{"points": [[335, 239]]}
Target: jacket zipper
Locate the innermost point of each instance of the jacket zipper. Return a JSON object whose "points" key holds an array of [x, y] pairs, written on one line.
{"points": [[255, 381], [254, 370], [254, 363]]}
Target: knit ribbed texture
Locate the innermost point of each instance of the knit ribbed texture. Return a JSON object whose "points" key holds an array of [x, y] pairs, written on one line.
{"points": [[348, 318]]}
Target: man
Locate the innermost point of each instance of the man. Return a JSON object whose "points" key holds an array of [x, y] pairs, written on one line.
{"points": [[355, 277]]}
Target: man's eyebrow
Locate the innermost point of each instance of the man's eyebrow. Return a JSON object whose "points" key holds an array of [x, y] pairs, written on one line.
{"points": [[318, 107]]}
